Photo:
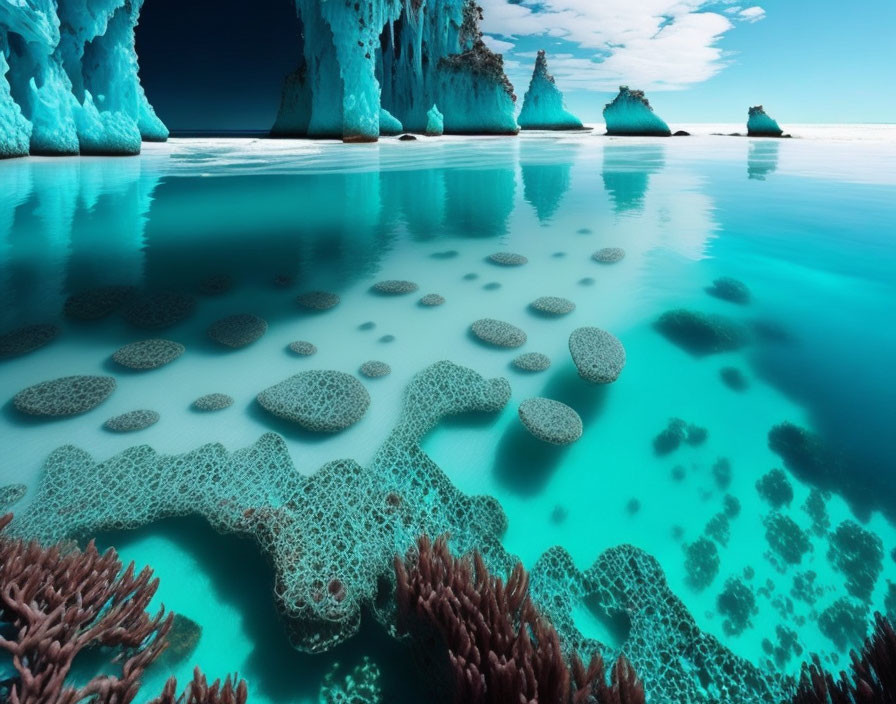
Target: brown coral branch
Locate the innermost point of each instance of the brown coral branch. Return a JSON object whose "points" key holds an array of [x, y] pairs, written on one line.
{"points": [[873, 676], [499, 648], [231, 691]]}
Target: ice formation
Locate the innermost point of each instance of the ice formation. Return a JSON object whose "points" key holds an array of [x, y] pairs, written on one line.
{"points": [[69, 83], [363, 62], [435, 122], [68, 79], [543, 107], [631, 114], [759, 124]]}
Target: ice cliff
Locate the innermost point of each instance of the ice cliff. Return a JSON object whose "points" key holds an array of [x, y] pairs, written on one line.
{"points": [[761, 125], [68, 79], [400, 56], [543, 107], [631, 114], [69, 82]]}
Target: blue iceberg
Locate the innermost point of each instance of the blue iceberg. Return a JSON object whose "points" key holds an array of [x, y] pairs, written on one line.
{"points": [[360, 58], [435, 122], [68, 79], [543, 107], [631, 114], [761, 125]]}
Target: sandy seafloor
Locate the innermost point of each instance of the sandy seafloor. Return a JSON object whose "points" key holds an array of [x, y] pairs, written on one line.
{"points": [[807, 223]]}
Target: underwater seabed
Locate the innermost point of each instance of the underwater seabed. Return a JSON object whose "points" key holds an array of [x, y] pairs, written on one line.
{"points": [[806, 224]]}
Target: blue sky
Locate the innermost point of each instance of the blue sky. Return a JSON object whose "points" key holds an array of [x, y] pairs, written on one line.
{"points": [[805, 60]]}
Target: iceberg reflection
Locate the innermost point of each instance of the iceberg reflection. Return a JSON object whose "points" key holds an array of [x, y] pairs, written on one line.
{"points": [[627, 170]]}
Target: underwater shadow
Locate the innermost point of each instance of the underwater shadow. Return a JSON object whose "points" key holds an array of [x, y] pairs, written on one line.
{"points": [[524, 464], [242, 577]]}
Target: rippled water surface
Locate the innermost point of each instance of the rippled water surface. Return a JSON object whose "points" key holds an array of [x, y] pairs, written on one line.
{"points": [[245, 226]]}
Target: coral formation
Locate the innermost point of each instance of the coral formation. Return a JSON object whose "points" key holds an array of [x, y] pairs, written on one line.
{"points": [[872, 676], [676, 432], [154, 311], [532, 362], [317, 300], [319, 401], [631, 114], [232, 690], [775, 488], [132, 421], [543, 107], [552, 305], [27, 339], [700, 333], [212, 402], [701, 563], [598, 355], [721, 472], [330, 536], [759, 124], [11, 494], [785, 538], [551, 421], [498, 647], [374, 369], [148, 354], [68, 396], [507, 259], [609, 255], [498, 333], [237, 331], [97, 303], [394, 287], [360, 686], [859, 555], [302, 348], [57, 603], [676, 661], [737, 604], [431, 299], [730, 289], [844, 622]]}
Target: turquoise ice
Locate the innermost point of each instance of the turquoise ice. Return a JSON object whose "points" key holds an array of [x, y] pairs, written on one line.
{"points": [[631, 114], [759, 124], [543, 107], [435, 122]]}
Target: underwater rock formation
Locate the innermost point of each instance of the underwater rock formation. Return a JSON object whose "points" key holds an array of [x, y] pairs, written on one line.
{"points": [[551, 421], [319, 401], [630, 114], [68, 396], [360, 59], [27, 339], [759, 124], [598, 355], [543, 107], [68, 79]]}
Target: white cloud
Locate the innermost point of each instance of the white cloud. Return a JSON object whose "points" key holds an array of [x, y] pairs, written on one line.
{"points": [[651, 44]]}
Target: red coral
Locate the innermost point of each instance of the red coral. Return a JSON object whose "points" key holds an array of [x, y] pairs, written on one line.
{"points": [[500, 649], [873, 677], [232, 691], [58, 601]]}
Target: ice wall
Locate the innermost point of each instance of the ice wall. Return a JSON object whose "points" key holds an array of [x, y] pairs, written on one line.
{"points": [[401, 56], [68, 79], [631, 114], [759, 124], [543, 107]]}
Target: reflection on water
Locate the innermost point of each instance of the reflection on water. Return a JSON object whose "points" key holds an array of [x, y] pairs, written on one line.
{"points": [[763, 158], [545, 181], [627, 170]]}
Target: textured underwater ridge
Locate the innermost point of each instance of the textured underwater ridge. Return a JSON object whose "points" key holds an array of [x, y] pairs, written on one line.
{"points": [[759, 124], [69, 83], [631, 114], [332, 537], [543, 107]]}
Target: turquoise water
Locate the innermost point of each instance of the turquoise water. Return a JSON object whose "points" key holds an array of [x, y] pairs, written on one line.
{"points": [[806, 224]]}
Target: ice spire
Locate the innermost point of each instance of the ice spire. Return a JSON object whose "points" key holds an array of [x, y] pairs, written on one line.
{"points": [[543, 107], [759, 124], [631, 114]]}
